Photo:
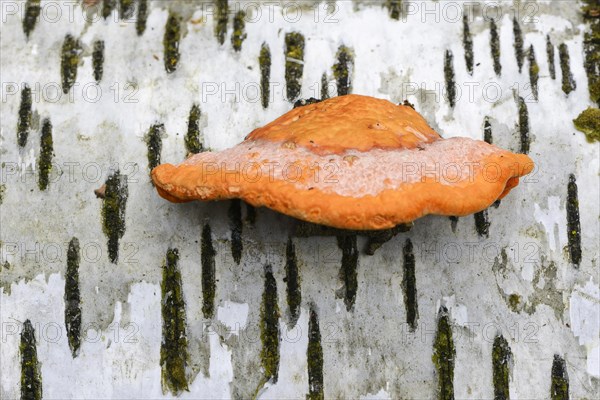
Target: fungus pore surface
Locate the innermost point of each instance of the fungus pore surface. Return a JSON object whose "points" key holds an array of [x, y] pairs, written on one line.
{"points": [[350, 162]]}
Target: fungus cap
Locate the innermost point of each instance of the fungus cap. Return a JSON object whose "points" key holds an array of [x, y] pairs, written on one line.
{"points": [[350, 162]]}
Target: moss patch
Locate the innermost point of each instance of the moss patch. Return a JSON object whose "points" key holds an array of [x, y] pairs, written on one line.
{"points": [[239, 30], [534, 72], [269, 328], [98, 60], [174, 357], [501, 363], [343, 69], [24, 116], [32, 13], [208, 273], [142, 17], [193, 143], [31, 378], [113, 212], [443, 356], [515, 302], [222, 18], [588, 122], [235, 223], [573, 223], [264, 61], [126, 8], [409, 284], [523, 126], [559, 389], [395, 8], [591, 47], [107, 7], [518, 43], [171, 42], [46, 153], [73, 298], [71, 50], [550, 55], [314, 355], [449, 78], [154, 144], [495, 47], [468, 45], [292, 280], [568, 83], [294, 64]]}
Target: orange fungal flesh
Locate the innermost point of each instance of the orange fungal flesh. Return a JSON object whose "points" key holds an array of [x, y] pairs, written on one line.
{"points": [[350, 162]]}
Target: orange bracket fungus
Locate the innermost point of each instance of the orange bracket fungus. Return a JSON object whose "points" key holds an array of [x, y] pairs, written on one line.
{"points": [[350, 162]]}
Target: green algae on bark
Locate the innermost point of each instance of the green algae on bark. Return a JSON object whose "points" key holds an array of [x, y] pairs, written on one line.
{"points": [[171, 42], [348, 271], [71, 50], [292, 280], [409, 284], [523, 127], [573, 222], [294, 64], [534, 71], [236, 224], [449, 77], [550, 55], [314, 357], [269, 328], [468, 44], [24, 116], [568, 83], [207, 260], [174, 356], [395, 8], [239, 30], [31, 378], [495, 47], [559, 389], [73, 297], [264, 61], [518, 43], [193, 143], [501, 365], [154, 144], [98, 60], [444, 355], [142, 17], [32, 13], [588, 122], [113, 212], [591, 47], [343, 70], [222, 16], [46, 153]]}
